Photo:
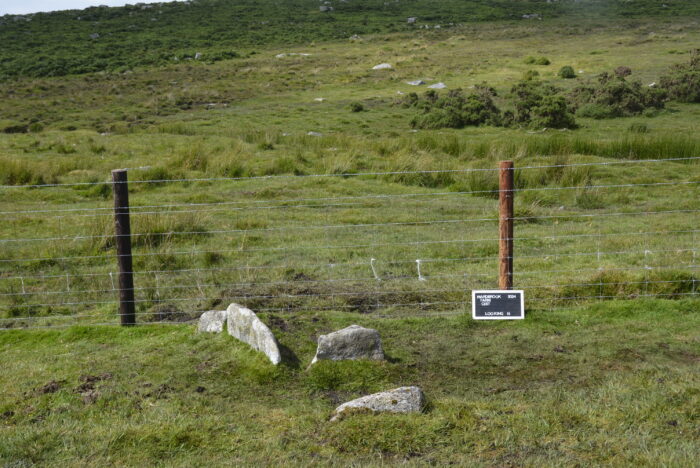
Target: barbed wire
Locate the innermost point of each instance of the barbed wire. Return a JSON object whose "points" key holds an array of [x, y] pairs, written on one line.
{"points": [[352, 264], [464, 275]]}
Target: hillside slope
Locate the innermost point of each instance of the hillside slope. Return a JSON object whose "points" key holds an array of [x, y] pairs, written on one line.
{"points": [[117, 39]]}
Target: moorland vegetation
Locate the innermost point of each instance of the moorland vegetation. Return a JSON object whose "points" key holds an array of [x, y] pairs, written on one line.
{"points": [[602, 372]]}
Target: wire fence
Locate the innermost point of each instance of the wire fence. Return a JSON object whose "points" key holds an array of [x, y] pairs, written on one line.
{"points": [[390, 244]]}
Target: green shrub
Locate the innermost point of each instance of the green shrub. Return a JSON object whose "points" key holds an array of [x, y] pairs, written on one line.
{"points": [[539, 105], [530, 75], [683, 80], [595, 111], [530, 60], [457, 110], [567, 72], [613, 96], [356, 107]]}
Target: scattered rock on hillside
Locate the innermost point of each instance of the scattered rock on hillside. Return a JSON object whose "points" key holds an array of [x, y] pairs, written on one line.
{"points": [[412, 20], [416, 82], [292, 54], [212, 321], [353, 342], [244, 325], [325, 8], [198, 56], [399, 400], [438, 86], [382, 66], [315, 134]]}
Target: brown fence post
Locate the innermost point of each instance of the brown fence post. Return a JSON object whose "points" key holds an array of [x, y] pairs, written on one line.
{"points": [[122, 225], [505, 224]]}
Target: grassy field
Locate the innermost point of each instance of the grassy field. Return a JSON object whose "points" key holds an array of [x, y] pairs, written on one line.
{"points": [[612, 384], [603, 371]]}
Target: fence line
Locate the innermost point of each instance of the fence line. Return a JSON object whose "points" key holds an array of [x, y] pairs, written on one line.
{"points": [[365, 263], [352, 246], [368, 278], [668, 273]]}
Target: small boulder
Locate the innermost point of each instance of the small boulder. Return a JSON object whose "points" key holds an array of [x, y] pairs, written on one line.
{"points": [[416, 82], [353, 342], [412, 20], [438, 86], [212, 321], [399, 400], [244, 325], [382, 66], [315, 134]]}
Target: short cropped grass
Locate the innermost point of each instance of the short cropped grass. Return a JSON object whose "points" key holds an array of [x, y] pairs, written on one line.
{"points": [[610, 384]]}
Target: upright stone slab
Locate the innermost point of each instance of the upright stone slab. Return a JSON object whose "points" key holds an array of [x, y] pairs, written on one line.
{"points": [[399, 400], [244, 325], [212, 321], [353, 342]]}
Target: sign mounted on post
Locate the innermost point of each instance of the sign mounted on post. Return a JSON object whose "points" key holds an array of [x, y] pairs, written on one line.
{"points": [[498, 305]]}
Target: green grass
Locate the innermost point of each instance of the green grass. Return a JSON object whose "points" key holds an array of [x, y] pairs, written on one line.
{"points": [[611, 384], [598, 374]]}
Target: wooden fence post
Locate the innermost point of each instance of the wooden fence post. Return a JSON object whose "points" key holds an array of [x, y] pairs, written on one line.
{"points": [[505, 224], [122, 225]]}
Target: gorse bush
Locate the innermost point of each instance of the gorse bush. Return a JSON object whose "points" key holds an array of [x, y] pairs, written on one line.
{"points": [[683, 81], [530, 60], [566, 72], [456, 109], [539, 105], [613, 96]]}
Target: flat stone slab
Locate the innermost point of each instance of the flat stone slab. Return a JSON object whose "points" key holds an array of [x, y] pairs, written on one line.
{"points": [[438, 86], [244, 325], [399, 400], [382, 66], [353, 342], [212, 321]]}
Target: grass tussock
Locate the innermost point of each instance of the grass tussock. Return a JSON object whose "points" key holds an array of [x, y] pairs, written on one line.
{"points": [[16, 172]]}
